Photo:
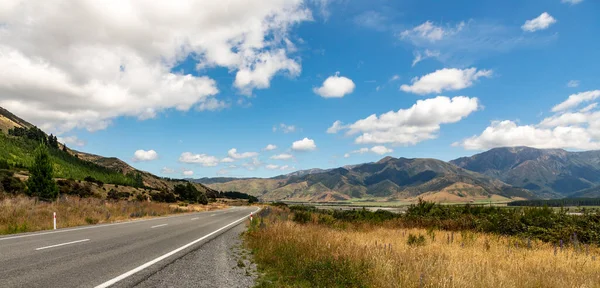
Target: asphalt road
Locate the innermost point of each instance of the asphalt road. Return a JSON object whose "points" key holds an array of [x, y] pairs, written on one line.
{"points": [[115, 255]]}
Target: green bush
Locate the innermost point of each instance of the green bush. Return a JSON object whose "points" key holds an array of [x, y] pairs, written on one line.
{"points": [[302, 217], [414, 240]]}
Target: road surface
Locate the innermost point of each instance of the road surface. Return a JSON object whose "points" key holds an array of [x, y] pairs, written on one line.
{"points": [[111, 255]]}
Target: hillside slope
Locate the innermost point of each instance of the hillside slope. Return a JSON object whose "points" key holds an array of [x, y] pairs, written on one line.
{"points": [[390, 178], [18, 152], [546, 172]]}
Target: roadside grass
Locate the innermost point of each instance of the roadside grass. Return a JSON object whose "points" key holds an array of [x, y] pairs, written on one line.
{"points": [[319, 254], [24, 214]]}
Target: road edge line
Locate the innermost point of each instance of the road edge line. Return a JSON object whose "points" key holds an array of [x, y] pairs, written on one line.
{"points": [[164, 256]]}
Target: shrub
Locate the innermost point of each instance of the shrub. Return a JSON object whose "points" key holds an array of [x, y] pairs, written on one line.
{"points": [[41, 183], [302, 217], [91, 221], [414, 240]]}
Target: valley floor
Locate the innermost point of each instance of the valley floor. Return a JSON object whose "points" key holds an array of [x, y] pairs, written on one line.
{"points": [[378, 255]]}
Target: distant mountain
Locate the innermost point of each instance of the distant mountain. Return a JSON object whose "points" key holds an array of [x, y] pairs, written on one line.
{"points": [[391, 178], [546, 172]]}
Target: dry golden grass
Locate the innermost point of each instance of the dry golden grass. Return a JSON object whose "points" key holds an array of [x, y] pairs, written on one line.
{"points": [[24, 214], [375, 256]]}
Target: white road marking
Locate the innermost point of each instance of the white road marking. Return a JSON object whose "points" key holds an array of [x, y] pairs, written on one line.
{"points": [[148, 264], [212, 215], [194, 218], [156, 226], [62, 244]]}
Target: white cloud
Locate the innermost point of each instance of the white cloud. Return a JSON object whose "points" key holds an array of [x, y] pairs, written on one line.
{"points": [[372, 20], [212, 104], [381, 150], [304, 145], [395, 77], [187, 173], [422, 56], [270, 147], [252, 165], [227, 160], [283, 156], [59, 75], [335, 87], [337, 126], [576, 130], [575, 99], [539, 23], [202, 159], [277, 167], [71, 141], [572, 2], [222, 172], [233, 154], [143, 155], [446, 79], [430, 32], [284, 128], [573, 83], [167, 170], [410, 126]]}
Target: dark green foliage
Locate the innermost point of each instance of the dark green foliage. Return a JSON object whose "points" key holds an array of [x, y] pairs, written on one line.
{"points": [[414, 240], [237, 195], [302, 217], [4, 164], [115, 195], [71, 187], [140, 197], [18, 152], [137, 179], [41, 183], [10, 184], [94, 180], [364, 215], [189, 193], [164, 196], [52, 142], [558, 202]]}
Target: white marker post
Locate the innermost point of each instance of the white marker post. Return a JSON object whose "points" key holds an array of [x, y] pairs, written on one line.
{"points": [[54, 220], [250, 217]]}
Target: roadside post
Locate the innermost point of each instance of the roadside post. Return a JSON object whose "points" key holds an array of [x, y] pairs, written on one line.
{"points": [[251, 216], [54, 220]]}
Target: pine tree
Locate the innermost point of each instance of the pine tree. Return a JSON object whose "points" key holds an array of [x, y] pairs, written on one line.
{"points": [[40, 183]]}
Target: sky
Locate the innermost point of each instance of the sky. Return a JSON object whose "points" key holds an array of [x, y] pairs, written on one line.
{"points": [[191, 89]]}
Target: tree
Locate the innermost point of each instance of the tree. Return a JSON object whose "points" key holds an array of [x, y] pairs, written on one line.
{"points": [[41, 183]]}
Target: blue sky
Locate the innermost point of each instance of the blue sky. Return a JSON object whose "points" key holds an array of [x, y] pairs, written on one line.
{"points": [[502, 80]]}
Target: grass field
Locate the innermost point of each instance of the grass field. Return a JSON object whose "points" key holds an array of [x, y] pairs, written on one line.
{"points": [[24, 214], [380, 255]]}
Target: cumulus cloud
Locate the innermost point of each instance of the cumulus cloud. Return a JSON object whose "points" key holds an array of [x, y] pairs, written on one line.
{"points": [[71, 141], [430, 32], [335, 127], [227, 160], [270, 147], [304, 145], [576, 130], [233, 154], [335, 87], [167, 170], [575, 99], [59, 75], [283, 156], [573, 83], [284, 128], [222, 172], [187, 173], [202, 159], [143, 155], [539, 23], [410, 126], [253, 164], [446, 79]]}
